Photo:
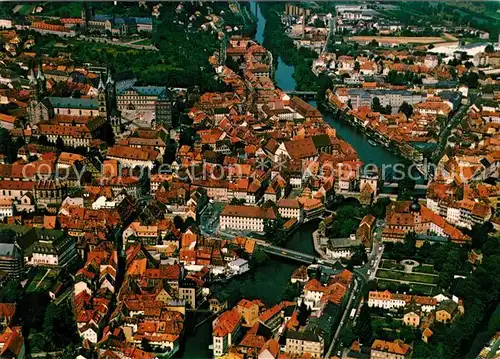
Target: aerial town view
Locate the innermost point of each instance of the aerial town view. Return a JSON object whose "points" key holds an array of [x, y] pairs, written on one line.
{"points": [[250, 179]]}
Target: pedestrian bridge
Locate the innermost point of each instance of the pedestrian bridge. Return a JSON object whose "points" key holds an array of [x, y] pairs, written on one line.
{"points": [[294, 255], [396, 185], [307, 94]]}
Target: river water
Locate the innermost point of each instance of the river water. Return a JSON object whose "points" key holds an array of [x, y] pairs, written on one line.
{"points": [[268, 281]]}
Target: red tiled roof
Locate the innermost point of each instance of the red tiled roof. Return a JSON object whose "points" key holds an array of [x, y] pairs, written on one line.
{"points": [[396, 347], [226, 323]]}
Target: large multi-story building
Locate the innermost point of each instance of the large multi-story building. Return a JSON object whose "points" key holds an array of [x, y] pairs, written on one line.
{"points": [[247, 218], [132, 156], [464, 213], [405, 217], [387, 300], [382, 349], [226, 330], [154, 99], [291, 208], [47, 248], [50, 192], [300, 343], [116, 25], [249, 311], [393, 98], [11, 260]]}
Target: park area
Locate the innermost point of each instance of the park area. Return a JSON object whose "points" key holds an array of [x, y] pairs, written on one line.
{"points": [[43, 280], [422, 279]]}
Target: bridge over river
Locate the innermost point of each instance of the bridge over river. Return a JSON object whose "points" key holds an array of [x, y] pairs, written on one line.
{"points": [[291, 254]]}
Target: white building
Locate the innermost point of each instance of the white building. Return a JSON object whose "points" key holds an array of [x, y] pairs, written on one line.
{"points": [[103, 203], [245, 218], [291, 208], [239, 266], [342, 247], [88, 332], [5, 23], [465, 213], [387, 300], [431, 61], [48, 248], [132, 156], [6, 208]]}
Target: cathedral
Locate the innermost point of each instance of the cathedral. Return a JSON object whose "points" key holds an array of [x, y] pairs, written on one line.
{"points": [[51, 109]]}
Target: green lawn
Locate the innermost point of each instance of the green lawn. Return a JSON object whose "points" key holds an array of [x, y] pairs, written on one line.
{"points": [[145, 42], [41, 286], [424, 268], [402, 276], [415, 288], [26, 9]]}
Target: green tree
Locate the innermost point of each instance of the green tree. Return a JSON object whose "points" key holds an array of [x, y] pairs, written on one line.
{"points": [[178, 222], [259, 256], [108, 134], [406, 108], [60, 143], [479, 234], [471, 79], [11, 292], [363, 328], [406, 186], [59, 325], [376, 106], [410, 242], [7, 145], [357, 66], [359, 256], [7, 236]]}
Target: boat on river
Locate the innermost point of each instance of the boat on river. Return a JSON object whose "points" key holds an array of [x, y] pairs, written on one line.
{"points": [[373, 143]]}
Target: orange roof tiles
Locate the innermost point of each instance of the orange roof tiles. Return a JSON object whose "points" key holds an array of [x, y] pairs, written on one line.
{"points": [[396, 347], [226, 323]]}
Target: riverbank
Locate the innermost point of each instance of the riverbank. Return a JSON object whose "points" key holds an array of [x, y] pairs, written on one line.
{"points": [[268, 282], [404, 150]]}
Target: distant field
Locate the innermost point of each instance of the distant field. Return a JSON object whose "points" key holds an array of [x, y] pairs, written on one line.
{"points": [[399, 39], [24, 9]]}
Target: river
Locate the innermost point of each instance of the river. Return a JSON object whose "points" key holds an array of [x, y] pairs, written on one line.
{"points": [[268, 281], [284, 79]]}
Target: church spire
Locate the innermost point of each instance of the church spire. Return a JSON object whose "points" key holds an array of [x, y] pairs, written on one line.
{"points": [[31, 76], [101, 84], [109, 81], [40, 76]]}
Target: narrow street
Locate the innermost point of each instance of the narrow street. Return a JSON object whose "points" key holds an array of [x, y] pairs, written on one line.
{"points": [[362, 276], [452, 123]]}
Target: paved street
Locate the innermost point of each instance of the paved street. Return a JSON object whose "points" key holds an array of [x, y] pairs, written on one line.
{"points": [[452, 123], [363, 274]]}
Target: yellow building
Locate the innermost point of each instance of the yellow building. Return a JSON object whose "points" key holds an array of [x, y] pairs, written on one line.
{"points": [[249, 311], [446, 311], [382, 349], [412, 317]]}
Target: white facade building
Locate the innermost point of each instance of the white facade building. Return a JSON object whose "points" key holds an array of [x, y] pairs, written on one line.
{"points": [[239, 266], [245, 218]]}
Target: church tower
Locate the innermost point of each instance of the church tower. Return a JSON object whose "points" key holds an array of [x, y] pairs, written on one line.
{"points": [[35, 95], [115, 116], [41, 82], [102, 99]]}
